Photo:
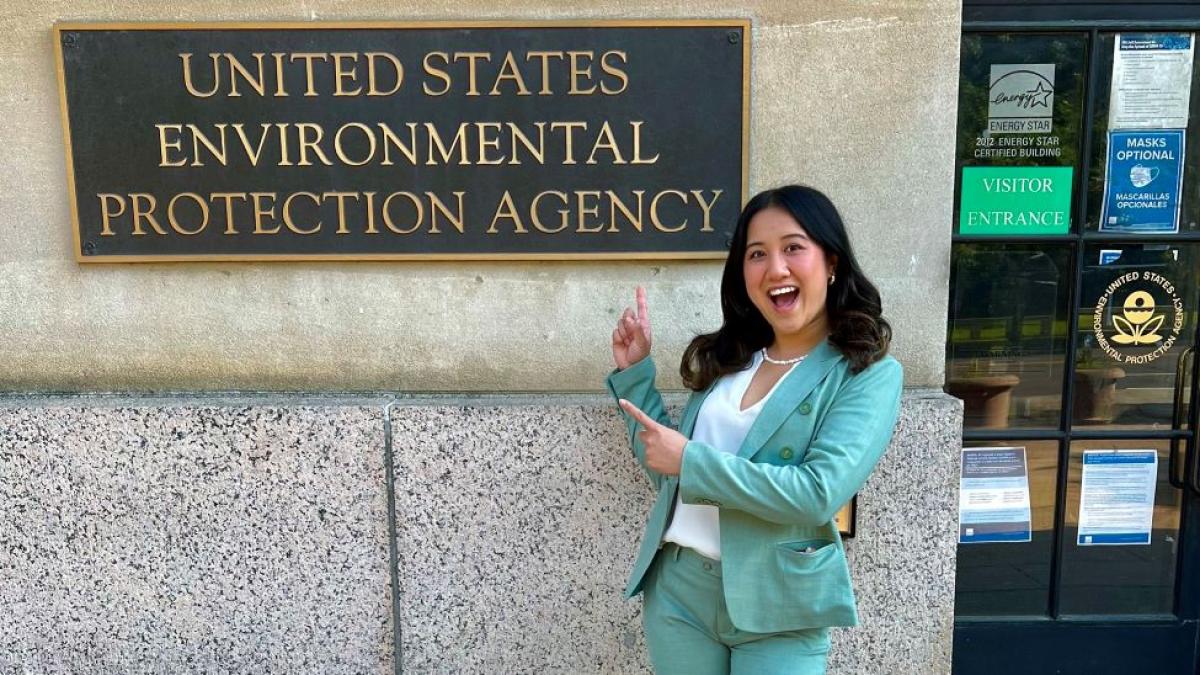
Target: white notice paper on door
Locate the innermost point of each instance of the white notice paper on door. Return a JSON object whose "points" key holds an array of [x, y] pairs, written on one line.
{"points": [[1116, 501], [1151, 81]]}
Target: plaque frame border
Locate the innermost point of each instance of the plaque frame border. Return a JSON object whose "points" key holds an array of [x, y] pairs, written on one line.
{"points": [[60, 27]]}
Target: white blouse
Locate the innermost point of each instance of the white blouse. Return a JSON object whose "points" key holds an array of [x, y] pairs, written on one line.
{"points": [[723, 425]]}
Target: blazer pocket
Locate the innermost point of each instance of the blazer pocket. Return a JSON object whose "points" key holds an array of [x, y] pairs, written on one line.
{"points": [[808, 549], [817, 581]]}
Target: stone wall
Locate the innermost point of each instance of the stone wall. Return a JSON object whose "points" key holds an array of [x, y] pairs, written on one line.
{"points": [[257, 535]]}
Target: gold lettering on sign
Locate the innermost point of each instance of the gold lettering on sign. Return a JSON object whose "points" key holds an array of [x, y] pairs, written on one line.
{"points": [[585, 209], [373, 73], [545, 57], [418, 208], [608, 66], [236, 68], [509, 71], [309, 75], [173, 221], [706, 206], [344, 68], [472, 77], [436, 72], [287, 213], [106, 214], [616, 203], [261, 212], [341, 198], [506, 209], [136, 200], [563, 214], [188, 83], [228, 198], [654, 220]]}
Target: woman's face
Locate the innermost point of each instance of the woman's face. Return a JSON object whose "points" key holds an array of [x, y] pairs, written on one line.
{"points": [[787, 275]]}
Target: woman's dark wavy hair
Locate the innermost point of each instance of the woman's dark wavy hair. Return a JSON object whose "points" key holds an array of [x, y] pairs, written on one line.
{"points": [[856, 325]]}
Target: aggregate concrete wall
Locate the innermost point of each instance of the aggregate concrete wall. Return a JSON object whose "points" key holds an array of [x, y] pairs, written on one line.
{"points": [[237, 536], [855, 98], [243, 539]]}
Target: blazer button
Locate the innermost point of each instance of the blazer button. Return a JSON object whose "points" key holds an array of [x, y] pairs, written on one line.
{"points": [[805, 408], [786, 453]]}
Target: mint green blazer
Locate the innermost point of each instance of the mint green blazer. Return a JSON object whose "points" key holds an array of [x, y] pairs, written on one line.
{"points": [[811, 448]]}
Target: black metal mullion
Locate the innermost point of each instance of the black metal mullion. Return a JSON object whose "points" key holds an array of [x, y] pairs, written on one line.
{"points": [[1126, 434], [1001, 239], [1012, 434], [1090, 237], [1078, 26], [1097, 236], [1100, 434], [1068, 407]]}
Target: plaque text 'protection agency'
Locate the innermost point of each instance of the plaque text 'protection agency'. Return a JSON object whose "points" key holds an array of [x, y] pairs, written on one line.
{"points": [[389, 141]]}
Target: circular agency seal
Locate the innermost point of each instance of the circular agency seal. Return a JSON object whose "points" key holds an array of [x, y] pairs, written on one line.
{"points": [[1137, 322]]}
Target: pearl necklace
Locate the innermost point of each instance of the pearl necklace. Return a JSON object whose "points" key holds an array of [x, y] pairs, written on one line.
{"points": [[783, 362]]}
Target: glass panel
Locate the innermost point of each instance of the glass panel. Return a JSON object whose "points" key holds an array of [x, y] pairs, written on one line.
{"points": [[1136, 323], [1007, 344], [1120, 578], [1189, 216], [1020, 106], [1013, 578]]}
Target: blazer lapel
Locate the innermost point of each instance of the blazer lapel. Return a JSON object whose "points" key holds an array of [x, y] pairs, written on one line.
{"points": [[795, 387], [688, 423]]}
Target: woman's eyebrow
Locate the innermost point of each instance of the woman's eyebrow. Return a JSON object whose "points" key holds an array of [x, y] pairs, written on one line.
{"points": [[800, 235]]}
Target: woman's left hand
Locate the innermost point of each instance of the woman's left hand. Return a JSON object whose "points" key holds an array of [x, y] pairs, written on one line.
{"points": [[664, 445]]}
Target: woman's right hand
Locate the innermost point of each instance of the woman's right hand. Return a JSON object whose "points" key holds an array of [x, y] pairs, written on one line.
{"points": [[631, 339]]}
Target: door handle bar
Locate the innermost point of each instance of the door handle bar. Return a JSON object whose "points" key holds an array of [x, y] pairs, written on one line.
{"points": [[1173, 474], [1192, 466]]}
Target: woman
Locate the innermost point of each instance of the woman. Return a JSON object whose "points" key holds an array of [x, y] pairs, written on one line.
{"points": [[794, 401]]}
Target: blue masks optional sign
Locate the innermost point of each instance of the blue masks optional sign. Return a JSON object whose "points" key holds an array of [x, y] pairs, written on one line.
{"points": [[1143, 181]]}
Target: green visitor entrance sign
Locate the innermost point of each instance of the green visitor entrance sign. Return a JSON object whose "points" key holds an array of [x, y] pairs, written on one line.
{"points": [[1015, 200]]}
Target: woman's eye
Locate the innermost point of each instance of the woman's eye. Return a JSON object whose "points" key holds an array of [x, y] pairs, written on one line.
{"points": [[754, 254]]}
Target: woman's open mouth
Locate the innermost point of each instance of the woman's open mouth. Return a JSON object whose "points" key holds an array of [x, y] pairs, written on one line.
{"points": [[784, 297]]}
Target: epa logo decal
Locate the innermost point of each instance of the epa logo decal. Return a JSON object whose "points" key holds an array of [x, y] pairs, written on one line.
{"points": [[1140, 318]]}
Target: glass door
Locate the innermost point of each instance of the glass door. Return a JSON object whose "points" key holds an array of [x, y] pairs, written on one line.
{"points": [[1075, 285]]}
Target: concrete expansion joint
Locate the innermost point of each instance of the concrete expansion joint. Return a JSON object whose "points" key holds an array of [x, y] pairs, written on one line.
{"points": [[388, 400]]}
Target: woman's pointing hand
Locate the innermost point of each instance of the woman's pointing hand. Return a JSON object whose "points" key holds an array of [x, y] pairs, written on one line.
{"points": [[631, 338], [663, 445]]}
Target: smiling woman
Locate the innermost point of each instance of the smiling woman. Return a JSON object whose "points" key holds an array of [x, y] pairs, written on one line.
{"points": [[741, 566]]}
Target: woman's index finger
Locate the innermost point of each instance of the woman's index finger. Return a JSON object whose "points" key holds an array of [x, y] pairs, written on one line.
{"points": [[643, 307], [637, 414]]}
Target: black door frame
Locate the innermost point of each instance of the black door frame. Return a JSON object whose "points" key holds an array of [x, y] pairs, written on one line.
{"points": [[1126, 644]]}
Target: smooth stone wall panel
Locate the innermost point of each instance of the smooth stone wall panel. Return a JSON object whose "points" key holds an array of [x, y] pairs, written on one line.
{"points": [[194, 540]]}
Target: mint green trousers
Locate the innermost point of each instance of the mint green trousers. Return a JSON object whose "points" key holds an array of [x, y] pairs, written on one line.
{"points": [[688, 631]]}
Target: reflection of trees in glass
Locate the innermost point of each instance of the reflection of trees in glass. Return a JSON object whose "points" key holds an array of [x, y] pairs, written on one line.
{"points": [[1007, 344], [981, 50], [1009, 301]]}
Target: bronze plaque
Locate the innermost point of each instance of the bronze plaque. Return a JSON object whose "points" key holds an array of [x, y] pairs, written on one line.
{"points": [[555, 140]]}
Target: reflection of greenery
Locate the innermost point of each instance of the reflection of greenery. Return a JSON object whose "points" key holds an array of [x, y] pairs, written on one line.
{"points": [[980, 51], [1008, 301]]}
